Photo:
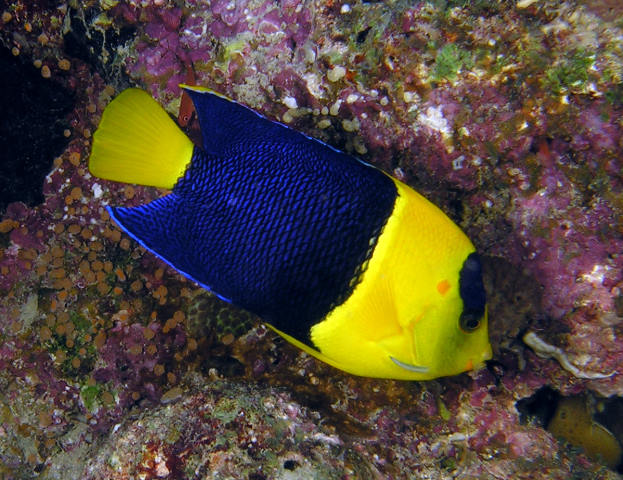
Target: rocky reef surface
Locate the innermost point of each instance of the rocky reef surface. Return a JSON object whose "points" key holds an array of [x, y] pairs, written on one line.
{"points": [[506, 114]]}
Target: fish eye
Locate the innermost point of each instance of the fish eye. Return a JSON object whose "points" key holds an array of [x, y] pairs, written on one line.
{"points": [[469, 321]]}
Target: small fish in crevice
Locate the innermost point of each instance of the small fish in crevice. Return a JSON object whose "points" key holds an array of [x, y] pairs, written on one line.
{"points": [[578, 420], [342, 260]]}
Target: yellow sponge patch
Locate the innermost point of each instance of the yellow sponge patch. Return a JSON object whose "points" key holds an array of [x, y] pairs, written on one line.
{"points": [[137, 142]]}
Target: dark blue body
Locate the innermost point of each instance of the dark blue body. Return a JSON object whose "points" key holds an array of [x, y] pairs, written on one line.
{"points": [[266, 217]]}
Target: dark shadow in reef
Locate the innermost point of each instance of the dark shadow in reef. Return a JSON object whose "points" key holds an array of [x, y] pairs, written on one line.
{"points": [[31, 129], [97, 47]]}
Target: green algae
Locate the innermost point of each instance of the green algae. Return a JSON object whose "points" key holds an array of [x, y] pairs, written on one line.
{"points": [[571, 72], [444, 413], [89, 395], [475, 7], [614, 95], [229, 51], [449, 61]]}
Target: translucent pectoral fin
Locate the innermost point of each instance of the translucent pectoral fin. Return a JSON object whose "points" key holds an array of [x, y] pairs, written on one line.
{"points": [[401, 351], [408, 366]]}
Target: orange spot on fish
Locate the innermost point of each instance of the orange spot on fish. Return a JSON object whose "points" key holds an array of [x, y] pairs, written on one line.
{"points": [[443, 287], [469, 365]]}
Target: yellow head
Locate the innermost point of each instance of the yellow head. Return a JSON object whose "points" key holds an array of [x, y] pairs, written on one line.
{"points": [[451, 335], [419, 312]]}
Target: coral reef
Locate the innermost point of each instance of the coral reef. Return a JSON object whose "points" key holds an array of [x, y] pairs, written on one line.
{"points": [[506, 114]]}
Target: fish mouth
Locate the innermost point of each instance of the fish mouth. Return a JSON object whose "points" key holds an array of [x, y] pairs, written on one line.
{"points": [[408, 366]]}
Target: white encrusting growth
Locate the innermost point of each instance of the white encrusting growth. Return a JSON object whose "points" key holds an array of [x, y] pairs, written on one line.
{"points": [[434, 119], [546, 350], [97, 190]]}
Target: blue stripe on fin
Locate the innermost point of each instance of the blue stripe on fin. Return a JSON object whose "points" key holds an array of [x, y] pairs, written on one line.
{"points": [[155, 226]]}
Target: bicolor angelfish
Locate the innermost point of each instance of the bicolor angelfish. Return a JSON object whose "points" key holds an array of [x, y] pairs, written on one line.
{"points": [[342, 260]]}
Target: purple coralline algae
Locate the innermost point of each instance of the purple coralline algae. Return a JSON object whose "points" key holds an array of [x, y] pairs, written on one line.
{"points": [[505, 114]]}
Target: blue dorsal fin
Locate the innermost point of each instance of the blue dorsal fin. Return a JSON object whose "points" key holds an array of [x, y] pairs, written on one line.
{"points": [[227, 124], [159, 227]]}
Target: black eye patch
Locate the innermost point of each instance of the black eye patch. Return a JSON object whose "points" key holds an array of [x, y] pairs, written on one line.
{"points": [[472, 293]]}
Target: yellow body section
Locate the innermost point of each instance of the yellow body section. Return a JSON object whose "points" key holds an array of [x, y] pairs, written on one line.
{"points": [[406, 309], [137, 142]]}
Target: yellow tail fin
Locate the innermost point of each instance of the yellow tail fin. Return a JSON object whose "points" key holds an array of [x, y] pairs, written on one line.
{"points": [[137, 142]]}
